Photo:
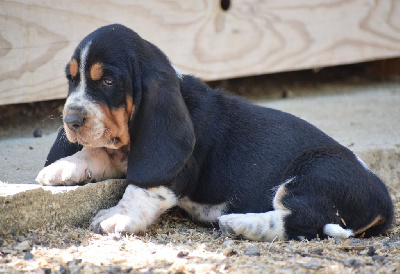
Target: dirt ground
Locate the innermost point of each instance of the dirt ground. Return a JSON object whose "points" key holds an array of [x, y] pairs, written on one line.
{"points": [[176, 244]]}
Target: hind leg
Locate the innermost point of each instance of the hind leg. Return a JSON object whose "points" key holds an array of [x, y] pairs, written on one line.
{"points": [[298, 213], [333, 194], [254, 226], [317, 213], [258, 226], [329, 193]]}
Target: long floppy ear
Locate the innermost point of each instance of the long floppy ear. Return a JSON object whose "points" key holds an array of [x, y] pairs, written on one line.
{"points": [[162, 134]]}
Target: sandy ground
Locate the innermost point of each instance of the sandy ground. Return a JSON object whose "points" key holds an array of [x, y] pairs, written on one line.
{"points": [[177, 245], [364, 117]]}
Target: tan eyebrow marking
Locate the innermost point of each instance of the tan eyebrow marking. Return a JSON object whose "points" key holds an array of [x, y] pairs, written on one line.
{"points": [[73, 67], [96, 71]]}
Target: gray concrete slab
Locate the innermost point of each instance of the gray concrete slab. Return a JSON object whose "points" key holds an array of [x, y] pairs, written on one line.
{"points": [[363, 118], [22, 158]]}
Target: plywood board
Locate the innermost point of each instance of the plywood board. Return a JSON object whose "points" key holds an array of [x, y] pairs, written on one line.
{"points": [[252, 37]]}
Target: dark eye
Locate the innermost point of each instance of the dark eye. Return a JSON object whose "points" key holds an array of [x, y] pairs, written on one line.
{"points": [[107, 82]]}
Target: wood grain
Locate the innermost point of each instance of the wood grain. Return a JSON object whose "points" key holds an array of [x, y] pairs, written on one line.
{"points": [[252, 37]]}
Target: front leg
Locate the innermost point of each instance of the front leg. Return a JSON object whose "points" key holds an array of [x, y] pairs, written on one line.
{"points": [[136, 211], [84, 166]]}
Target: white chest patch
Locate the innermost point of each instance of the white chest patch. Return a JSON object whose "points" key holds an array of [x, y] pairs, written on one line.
{"points": [[202, 212]]}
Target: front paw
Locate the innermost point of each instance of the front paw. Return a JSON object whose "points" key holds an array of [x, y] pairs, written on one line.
{"points": [[116, 220], [64, 172]]}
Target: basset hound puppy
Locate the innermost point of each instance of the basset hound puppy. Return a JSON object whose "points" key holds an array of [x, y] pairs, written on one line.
{"points": [[259, 173]]}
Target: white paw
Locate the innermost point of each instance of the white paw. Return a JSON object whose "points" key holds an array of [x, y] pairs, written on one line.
{"points": [[135, 212], [234, 225], [116, 220], [254, 226], [64, 172]]}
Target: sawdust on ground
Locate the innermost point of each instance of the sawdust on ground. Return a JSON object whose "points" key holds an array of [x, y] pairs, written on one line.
{"points": [[177, 245]]}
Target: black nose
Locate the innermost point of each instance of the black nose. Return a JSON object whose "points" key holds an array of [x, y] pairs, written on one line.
{"points": [[74, 122]]}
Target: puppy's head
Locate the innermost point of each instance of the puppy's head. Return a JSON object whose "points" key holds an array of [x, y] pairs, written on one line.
{"points": [[99, 104], [124, 91]]}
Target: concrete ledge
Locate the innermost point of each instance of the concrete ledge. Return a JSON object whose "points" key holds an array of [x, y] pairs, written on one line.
{"points": [[27, 206]]}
